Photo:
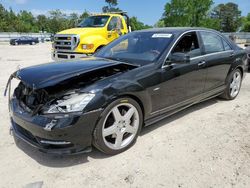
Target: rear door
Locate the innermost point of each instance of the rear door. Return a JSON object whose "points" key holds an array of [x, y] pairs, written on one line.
{"points": [[218, 56]]}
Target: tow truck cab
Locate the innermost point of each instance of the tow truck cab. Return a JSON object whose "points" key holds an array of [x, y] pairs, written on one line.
{"points": [[91, 34]]}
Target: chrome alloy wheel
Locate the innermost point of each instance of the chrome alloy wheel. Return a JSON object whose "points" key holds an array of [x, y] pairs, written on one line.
{"points": [[120, 126], [235, 84]]}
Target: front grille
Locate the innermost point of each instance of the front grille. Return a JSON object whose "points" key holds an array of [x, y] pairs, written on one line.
{"points": [[66, 42], [62, 48]]}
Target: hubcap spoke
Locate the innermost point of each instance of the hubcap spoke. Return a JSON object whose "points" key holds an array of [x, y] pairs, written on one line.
{"points": [[117, 114], [131, 129], [129, 113], [118, 140], [109, 131], [232, 85]]}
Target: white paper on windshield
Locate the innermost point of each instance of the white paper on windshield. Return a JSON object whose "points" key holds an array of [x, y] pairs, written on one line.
{"points": [[161, 35]]}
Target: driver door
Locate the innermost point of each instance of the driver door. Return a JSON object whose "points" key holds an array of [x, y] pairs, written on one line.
{"points": [[181, 82], [113, 29]]}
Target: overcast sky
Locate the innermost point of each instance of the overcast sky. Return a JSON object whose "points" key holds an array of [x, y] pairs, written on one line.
{"points": [[147, 11]]}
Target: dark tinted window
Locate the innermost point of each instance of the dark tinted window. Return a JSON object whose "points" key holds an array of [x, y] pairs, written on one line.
{"points": [[212, 42], [189, 45], [137, 47], [94, 21]]}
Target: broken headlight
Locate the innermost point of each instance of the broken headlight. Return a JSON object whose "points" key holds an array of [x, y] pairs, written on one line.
{"points": [[70, 103]]}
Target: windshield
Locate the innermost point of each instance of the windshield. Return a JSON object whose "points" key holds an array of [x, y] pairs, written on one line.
{"points": [[94, 21], [137, 47]]}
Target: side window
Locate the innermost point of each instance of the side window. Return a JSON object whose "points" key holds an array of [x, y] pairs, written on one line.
{"points": [[113, 24], [212, 42], [189, 45], [120, 25], [226, 45]]}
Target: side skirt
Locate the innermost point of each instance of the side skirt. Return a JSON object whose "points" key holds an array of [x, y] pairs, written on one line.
{"points": [[166, 112]]}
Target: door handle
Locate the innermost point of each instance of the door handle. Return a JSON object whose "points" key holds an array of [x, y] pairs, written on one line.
{"points": [[201, 64], [232, 54]]}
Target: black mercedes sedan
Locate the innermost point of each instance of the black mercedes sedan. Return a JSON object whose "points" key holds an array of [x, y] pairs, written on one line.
{"points": [[248, 56], [24, 40], [138, 79]]}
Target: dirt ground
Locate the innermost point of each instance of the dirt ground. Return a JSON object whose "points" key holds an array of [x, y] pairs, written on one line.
{"points": [[207, 145]]}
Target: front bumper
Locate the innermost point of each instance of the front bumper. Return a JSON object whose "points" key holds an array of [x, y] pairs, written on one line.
{"points": [[72, 133], [56, 56]]}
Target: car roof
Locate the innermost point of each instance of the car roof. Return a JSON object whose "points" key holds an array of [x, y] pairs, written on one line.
{"points": [[176, 30]]}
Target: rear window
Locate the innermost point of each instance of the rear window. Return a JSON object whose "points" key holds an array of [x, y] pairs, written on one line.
{"points": [[212, 42]]}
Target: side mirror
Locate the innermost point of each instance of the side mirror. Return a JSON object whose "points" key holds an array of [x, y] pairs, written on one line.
{"points": [[179, 58]]}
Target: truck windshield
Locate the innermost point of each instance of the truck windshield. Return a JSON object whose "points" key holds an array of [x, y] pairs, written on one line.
{"points": [[94, 21], [137, 47]]}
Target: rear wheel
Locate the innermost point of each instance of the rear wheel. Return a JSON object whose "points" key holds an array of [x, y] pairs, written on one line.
{"points": [[118, 127], [233, 85]]}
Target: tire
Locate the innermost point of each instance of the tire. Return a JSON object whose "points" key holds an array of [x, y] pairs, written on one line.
{"points": [[32, 43], [115, 133], [98, 49], [233, 82]]}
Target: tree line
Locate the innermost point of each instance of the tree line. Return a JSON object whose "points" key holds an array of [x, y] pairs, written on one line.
{"points": [[53, 21], [202, 13], [177, 13]]}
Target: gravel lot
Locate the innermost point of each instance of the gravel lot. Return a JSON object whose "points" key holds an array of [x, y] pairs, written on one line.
{"points": [[207, 145]]}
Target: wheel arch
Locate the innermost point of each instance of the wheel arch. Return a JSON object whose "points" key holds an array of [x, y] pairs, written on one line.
{"points": [[234, 68], [137, 100], [99, 47]]}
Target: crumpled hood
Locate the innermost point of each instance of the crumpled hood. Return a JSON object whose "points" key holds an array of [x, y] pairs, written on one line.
{"points": [[41, 76], [79, 31]]}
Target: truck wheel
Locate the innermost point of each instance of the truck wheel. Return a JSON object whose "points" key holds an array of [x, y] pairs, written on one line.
{"points": [[98, 49]]}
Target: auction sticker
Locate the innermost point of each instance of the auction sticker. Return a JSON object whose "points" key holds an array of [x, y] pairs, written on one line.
{"points": [[161, 35]]}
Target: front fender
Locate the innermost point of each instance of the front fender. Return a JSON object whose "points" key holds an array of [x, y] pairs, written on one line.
{"points": [[126, 88], [97, 40]]}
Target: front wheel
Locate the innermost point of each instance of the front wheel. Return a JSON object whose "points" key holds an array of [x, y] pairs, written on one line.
{"points": [[233, 85], [119, 126]]}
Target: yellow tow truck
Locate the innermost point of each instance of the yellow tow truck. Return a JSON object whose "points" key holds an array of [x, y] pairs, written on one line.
{"points": [[91, 34]]}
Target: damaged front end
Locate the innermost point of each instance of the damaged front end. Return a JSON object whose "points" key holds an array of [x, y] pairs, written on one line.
{"points": [[53, 118], [61, 97]]}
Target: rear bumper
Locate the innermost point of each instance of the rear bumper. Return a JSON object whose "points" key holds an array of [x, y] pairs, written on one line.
{"points": [[71, 134], [57, 56]]}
